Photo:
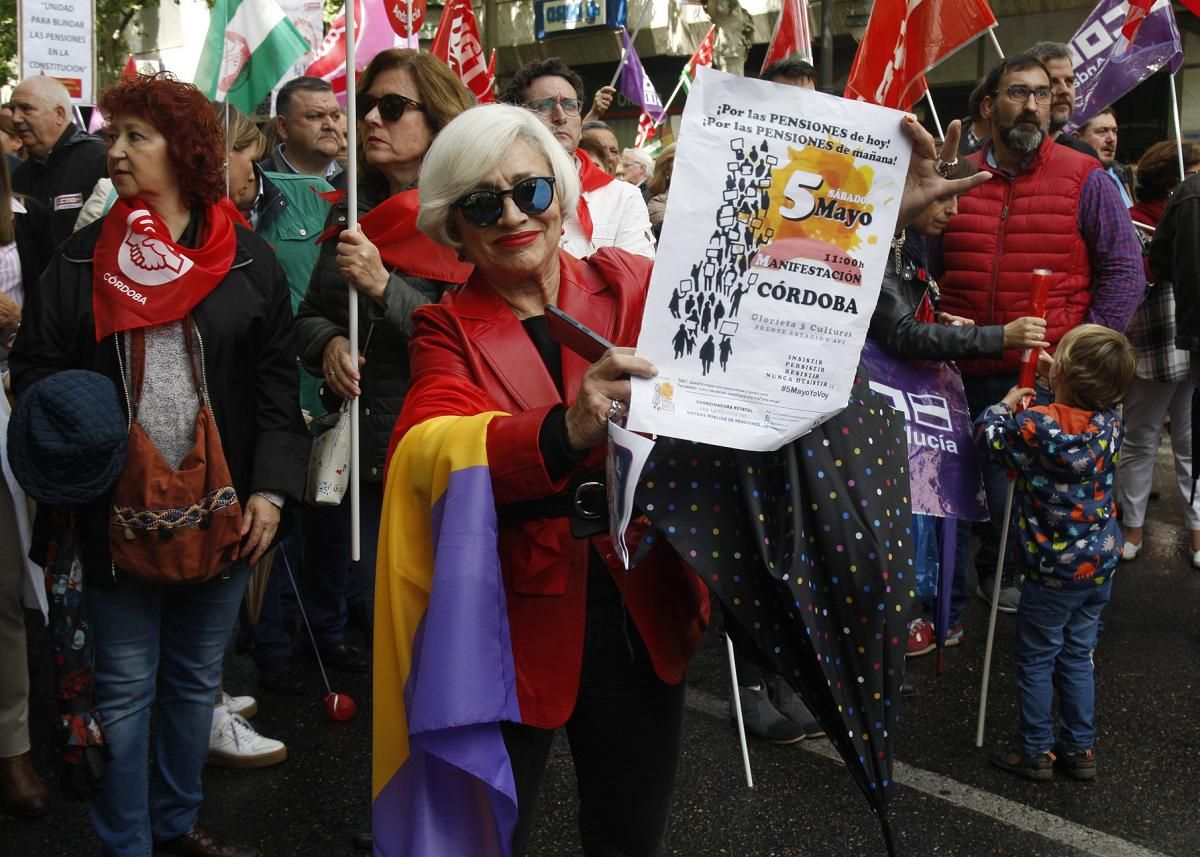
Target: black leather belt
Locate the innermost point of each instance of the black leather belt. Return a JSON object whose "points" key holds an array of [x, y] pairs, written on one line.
{"points": [[585, 503]]}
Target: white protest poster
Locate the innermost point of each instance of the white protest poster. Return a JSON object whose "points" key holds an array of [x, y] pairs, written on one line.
{"points": [[57, 41], [779, 223]]}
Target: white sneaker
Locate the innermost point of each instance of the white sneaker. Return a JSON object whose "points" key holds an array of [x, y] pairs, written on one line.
{"points": [[1130, 551], [1196, 559], [246, 706], [233, 743]]}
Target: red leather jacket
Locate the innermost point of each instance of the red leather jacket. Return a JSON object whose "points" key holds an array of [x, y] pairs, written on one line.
{"points": [[1003, 231], [470, 354]]}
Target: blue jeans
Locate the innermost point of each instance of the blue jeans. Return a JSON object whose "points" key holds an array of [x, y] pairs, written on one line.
{"points": [[1056, 633], [158, 648]]}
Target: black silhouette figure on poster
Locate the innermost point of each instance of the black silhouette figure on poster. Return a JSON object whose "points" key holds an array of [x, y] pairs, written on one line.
{"points": [[712, 296], [707, 354], [680, 341]]}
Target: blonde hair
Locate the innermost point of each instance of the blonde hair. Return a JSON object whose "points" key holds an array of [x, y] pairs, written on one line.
{"points": [[472, 147], [1096, 364], [659, 181], [240, 130]]}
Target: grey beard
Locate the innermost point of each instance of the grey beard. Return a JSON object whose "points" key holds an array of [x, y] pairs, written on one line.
{"points": [[1021, 141]]}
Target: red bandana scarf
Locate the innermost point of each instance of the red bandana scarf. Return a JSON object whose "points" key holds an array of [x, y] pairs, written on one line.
{"points": [[141, 278], [591, 177], [392, 228]]}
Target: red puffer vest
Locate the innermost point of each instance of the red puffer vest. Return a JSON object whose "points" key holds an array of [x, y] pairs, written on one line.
{"points": [[1003, 231]]}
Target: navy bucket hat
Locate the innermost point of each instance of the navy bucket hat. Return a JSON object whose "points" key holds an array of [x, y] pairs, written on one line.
{"points": [[67, 437]]}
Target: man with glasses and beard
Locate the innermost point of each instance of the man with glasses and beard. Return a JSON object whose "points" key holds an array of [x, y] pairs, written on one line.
{"points": [[1045, 207], [610, 213]]}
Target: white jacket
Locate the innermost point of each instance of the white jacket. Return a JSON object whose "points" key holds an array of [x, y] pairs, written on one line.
{"points": [[619, 219]]}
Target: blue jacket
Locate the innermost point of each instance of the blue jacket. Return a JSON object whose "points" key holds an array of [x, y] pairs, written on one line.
{"points": [[1065, 516]]}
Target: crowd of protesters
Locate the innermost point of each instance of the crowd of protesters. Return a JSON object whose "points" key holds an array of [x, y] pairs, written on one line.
{"points": [[226, 375]]}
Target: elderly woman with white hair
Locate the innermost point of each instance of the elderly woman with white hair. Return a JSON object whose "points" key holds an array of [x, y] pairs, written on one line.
{"points": [[496, 186], [594, 649]]}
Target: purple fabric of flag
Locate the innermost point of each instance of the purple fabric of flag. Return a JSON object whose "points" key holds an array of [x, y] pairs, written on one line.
{"points": [[1107, 65], [455, 794], [636, 84], [944, 471]]}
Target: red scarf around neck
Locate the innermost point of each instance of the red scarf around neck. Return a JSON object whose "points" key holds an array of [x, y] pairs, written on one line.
{"points": [[591, 177], [392, 228], [142, 278]]}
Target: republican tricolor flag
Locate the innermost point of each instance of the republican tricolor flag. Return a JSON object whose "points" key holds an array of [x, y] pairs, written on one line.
{"points": [[444, 677]]}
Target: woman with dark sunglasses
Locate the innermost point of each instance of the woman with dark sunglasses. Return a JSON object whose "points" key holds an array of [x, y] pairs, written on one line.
{"points": [[502, 443], [596, 650], [404, 99]]}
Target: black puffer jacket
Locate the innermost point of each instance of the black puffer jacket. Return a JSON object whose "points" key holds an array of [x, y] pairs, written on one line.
{"points": [[324, 314], [248, 354], [1175, 259]]}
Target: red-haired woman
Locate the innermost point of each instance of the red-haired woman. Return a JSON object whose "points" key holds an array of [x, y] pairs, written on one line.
{"points": [[172, 288]]}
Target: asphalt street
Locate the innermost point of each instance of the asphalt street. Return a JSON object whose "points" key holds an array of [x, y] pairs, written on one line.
{"points": [[947, 801]]}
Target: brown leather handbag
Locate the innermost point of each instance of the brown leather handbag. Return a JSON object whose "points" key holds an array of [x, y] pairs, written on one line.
{"points": [[173, 525]]}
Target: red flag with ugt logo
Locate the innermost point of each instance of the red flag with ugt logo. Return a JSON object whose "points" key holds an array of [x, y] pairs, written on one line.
{"points": [[457, 44], [904, 40]]}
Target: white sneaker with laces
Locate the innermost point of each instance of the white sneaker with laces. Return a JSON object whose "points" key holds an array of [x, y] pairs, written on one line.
{"points": [[233, 743], [247, 706]]}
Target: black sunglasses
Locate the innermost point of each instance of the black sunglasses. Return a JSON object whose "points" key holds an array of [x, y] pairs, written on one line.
{"points": [[391, 106], [483, 207]]}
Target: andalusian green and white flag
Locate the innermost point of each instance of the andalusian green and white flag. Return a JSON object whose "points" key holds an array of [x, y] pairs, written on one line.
{"points": [[702, 56], [250, 45]]}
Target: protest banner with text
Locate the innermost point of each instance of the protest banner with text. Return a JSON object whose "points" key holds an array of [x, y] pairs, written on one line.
{"points": [[779, 223]]}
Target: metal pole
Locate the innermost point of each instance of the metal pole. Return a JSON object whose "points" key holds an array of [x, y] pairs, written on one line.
{"points": [[1178, 129], [932, 109], [995, 41], [737, 708], [351, 294], [624, 54], [991, 634]]}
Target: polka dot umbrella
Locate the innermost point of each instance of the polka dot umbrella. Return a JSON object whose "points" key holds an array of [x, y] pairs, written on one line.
{"points": [[809, 550]]}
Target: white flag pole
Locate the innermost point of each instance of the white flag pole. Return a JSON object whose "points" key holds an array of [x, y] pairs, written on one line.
{"points": [[995, 41], [624, 53], [674, 92], [351, 294], [1178, 129], [412, 31], [991, 634], [932, 109], [737, 708]]}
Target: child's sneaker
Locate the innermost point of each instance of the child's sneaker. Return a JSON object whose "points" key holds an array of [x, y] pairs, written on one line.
{"points": [[1039, 766], [920, 639], [1078, 764], [954, 636]]}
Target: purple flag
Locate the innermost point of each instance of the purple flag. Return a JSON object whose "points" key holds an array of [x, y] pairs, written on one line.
{"points": [[636, 84], [1107, 65], [943, 463]]}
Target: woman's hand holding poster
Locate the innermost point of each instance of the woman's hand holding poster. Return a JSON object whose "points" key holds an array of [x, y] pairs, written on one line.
{"points": [[779, 223]]}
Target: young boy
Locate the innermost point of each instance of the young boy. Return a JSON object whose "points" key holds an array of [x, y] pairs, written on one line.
{"points": [[1065, 455]]}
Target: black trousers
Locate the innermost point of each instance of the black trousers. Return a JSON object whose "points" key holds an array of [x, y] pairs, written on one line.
{"points": [[624, 736]]}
